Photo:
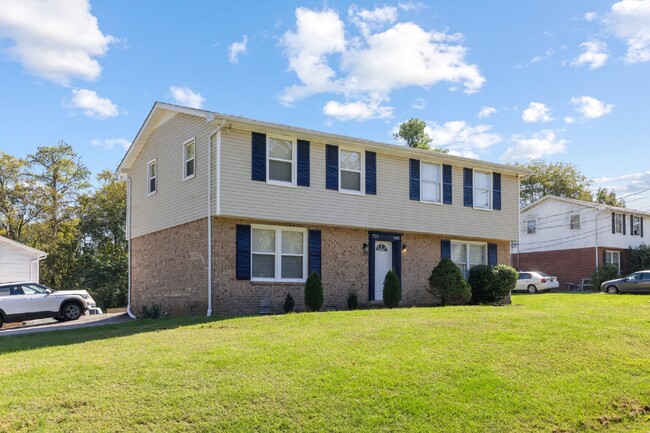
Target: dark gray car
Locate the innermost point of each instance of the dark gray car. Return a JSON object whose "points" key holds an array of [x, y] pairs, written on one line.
{"points": [[638, 282]]}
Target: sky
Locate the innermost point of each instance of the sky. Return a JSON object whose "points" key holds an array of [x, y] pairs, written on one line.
{"points": [[501, 81]]}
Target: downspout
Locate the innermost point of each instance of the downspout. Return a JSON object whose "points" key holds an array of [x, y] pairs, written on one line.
{"points": [[38, 272], [128, 243], [217, 132], [597, 228]]}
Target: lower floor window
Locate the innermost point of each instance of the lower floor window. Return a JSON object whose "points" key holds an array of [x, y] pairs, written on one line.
{"points": [[468, 254], [278, 253], [613, 258]]}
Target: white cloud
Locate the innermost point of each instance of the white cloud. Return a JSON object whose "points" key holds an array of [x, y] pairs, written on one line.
{"points": [[357, 110], [536, 112], [534, 146], [186, 96], [591, 108], [110, 143], [92, 104], [590, 16], [464, 153], [236, 49], [411, 6], [486, 112], [56, 40], [628, 183], [569, 119], [369, 20], [419, 104], [630, 21], [595, 55], [462, 138]]}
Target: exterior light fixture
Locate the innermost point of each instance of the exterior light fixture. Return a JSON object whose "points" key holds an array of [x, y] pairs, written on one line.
{"points": [[404, 247], [365, 248]]}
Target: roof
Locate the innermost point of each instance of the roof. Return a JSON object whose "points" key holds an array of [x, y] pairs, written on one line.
{"points": [[161, 112], [24, 247], [600, 206]]}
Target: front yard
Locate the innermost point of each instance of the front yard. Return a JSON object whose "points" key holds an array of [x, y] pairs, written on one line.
{"points": [[548, 363]]}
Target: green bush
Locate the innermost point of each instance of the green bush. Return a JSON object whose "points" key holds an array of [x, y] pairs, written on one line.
{"points": [[314, 292], [603, 273], [639, 258], [152, 312], [353, 301], [391, 292], [481, 280], [289, 303], [447, 280], [505, 280]]}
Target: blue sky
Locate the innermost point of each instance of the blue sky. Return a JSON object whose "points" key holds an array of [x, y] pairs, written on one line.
{"points": [[501, 81]]}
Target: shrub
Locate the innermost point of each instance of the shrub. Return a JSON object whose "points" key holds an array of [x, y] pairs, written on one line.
{"points": [[392, 292], [505, 279], [289, 303], [151, 312], [353, 301], [481, 280], [447, 280], [639, 258], [602, 274], [314, 292]]}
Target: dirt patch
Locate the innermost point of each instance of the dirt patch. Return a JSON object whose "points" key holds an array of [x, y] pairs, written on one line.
{"points": [[625, 410]]}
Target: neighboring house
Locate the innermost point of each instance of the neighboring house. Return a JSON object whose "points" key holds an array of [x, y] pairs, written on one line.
{"points": [[569, 238], [19, 262], [285, 201]]}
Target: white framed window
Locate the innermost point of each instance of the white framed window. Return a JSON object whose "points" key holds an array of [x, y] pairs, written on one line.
{"points": [[531, 227], [482, 190], [281, 160], [636, 226], [189, 159], [468, 254], [152, 177], [618, 223], [574, 221], [613, 258], [431, 182], [351, 176], [278, 254]]}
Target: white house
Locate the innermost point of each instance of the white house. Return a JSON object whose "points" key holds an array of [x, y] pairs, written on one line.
{"points": [[18, 262]]}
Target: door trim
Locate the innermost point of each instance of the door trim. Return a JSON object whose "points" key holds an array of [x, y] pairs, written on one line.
{"points": [[396, 239]]}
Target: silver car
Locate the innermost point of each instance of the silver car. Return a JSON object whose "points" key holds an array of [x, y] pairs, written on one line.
{"points": [[638, 282]]}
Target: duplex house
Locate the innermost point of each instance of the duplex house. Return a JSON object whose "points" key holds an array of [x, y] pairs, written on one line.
{"points": [[227, 213], [569, 238], [19, 262]]}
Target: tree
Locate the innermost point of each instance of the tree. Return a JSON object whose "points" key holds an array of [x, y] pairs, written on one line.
{"points": [[391, 293], [560, 179], [18, 206], [604, 196], [413, 133], [447, 280]]}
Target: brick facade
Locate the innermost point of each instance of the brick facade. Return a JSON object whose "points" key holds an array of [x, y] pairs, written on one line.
{"points": [[169, 268]]}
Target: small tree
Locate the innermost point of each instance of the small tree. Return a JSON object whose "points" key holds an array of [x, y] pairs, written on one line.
{"points": [[289, 303], [640, 258], [480, 280], [413, 133], [447, 280], [505, 279], [603, 273], [314, 292], [391, 292], [353, 301]]}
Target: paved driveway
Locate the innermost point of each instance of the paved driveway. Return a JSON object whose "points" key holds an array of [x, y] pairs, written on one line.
{"points": [[44, 325]]}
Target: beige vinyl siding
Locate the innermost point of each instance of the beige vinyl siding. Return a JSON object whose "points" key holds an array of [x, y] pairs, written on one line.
{"points": [[390, 209]]}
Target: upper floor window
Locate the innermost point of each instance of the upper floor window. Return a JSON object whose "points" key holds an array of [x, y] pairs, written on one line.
{"points": [[482, 190], [613, 258], [350, 171], [152, 176], [468, 254], [618, 222], [189, 159], [636, 226], [281, 160], [431, 181], [531, 227], [574, 222], [278, 254]]}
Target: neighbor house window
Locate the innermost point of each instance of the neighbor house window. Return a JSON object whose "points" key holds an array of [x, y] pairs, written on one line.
{"points": [[636, 226], [574, 222], [278, 254], [618, 222], [189, 159], [152, 176], [281, 160], [531, 227], [431, 182], [350, 171], [613, 258], [482, 190], [468, 254]]}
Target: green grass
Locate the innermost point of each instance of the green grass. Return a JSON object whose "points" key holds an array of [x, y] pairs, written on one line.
{"points": [[548, 363]]}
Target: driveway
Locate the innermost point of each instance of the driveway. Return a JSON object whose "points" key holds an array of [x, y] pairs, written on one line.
{"points": [[44, 325]]}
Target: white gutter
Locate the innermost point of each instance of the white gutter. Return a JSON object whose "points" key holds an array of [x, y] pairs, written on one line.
{"points": [[217, 131], [128, 242]]}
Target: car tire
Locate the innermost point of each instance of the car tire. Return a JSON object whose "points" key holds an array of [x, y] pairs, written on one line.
{"points": [[532, 289], [71, 311], [612, 290], [59, 318], [1, 321]]}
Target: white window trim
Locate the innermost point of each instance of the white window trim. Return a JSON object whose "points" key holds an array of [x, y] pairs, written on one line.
{"points": [[362, 181], [149, 192], [611, 253], [185, 160], [440, 190], [278, 253], [490, 190], [618, 216], [636, 221], [526, 228], [294, 162], [468, 243], [579, 221]]}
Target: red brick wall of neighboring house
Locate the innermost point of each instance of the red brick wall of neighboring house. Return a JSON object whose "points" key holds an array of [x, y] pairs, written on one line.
{"points": [[169, 269]]}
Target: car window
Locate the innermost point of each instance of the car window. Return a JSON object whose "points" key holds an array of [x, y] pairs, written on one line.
{"points": [[15, 290], [32, 289], [524, 276], [634, 277], [543, 274], [4, 291], [645, 276]]}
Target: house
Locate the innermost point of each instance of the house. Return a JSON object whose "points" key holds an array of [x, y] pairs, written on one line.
{"points": [[569, 238], [227, 214], [18, 262]]}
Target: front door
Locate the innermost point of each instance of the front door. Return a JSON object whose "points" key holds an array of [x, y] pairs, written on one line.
{"points": [[383, 264]]}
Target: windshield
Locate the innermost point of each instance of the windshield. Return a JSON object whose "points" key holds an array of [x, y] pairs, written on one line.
{"points": [[33, 289]]}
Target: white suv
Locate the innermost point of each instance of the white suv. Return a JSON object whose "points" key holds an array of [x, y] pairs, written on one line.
{"points": [[28, 301]]}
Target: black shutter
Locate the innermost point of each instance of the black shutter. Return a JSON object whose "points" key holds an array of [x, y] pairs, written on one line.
{"points": [[492, 255], [496, 191], [624, 222], [604, 257], [613, 223], [445, 249], [446, 184], [641, 223], [315, 251], [371, 173], [243, 258], [632, 225], [332, 167], [258, 157], [303, 163], [414, 179], [468, 190]]}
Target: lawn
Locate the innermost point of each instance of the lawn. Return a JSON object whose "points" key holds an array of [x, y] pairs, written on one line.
{"points": [[547, 363]]}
